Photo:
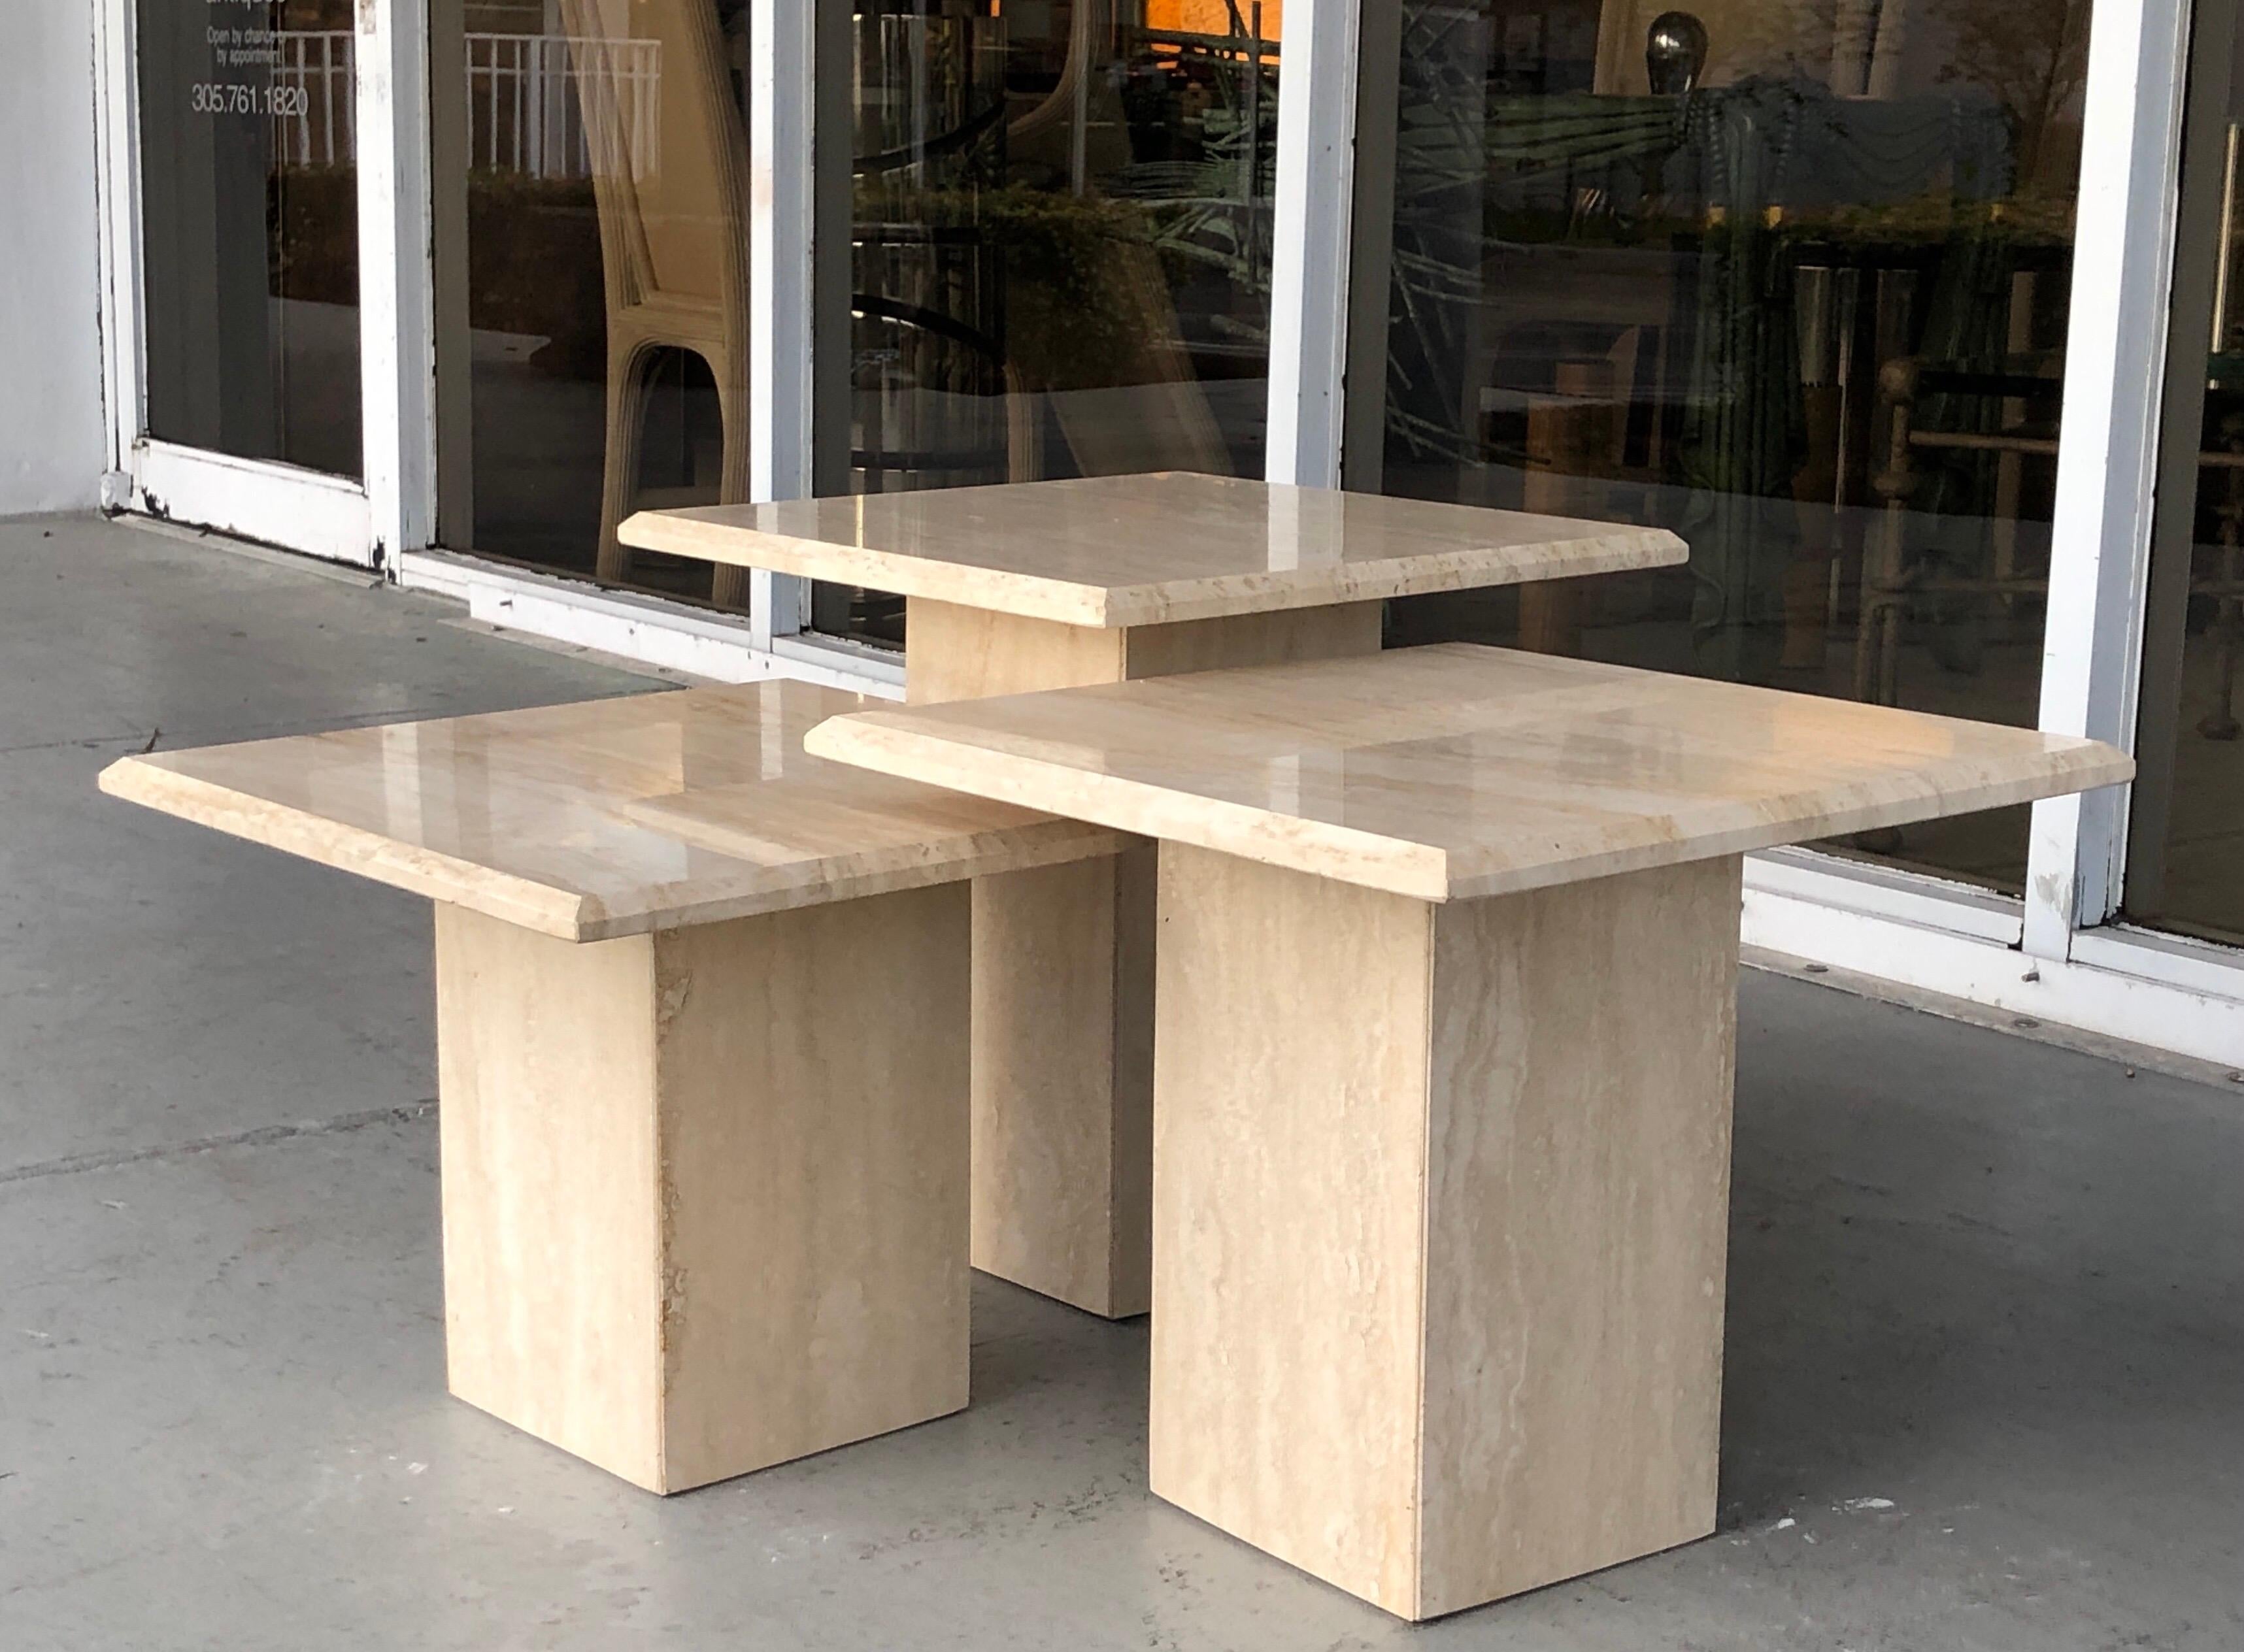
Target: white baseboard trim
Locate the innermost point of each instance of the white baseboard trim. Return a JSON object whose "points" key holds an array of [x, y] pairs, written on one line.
{"points": [[632, 626], [2119, 996]]}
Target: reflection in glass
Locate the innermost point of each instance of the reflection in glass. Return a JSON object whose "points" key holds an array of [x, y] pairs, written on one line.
{"points": [[595, 163], [2186, 829], [1805, 305], [1061, 248], [249, 227]]}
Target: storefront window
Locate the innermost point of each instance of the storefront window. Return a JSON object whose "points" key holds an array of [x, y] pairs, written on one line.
{"points": [[2185, 831], [594, 160], [1058, 258], [1790, 278], [1060, 255], [249, 220]]}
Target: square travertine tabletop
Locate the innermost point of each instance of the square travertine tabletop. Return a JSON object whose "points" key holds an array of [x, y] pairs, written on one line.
{"points": [[1116, 551], [1458, 771], [612, 818]]}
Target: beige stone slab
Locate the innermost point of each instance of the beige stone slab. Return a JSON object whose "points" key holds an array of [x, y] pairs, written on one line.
{"points": [[1062, 1115], [579, 822], [1290, 1059], [1440, 1211], [1115, 551], [1454, 771], [552, 1224], [1337, 632], [1060, 1124], [959, 653], [1578, 1150], [1064, 962], [706, 1191]]}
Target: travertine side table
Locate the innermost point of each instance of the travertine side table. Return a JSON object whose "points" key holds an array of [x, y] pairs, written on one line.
{"points": [[701, 1018], [1448, 953], [1054, 584]]}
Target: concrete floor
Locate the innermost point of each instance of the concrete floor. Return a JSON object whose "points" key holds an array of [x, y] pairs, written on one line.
{"points": [[1985, 1363]]}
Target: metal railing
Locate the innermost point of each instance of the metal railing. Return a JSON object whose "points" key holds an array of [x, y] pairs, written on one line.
{"points": [[527, 95], [312, 114]]}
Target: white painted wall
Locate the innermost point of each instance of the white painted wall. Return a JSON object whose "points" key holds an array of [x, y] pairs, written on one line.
{"points": [[52, 442]]}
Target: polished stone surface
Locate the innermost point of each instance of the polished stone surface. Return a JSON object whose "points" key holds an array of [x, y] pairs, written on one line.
{"points": [[554, 818], [1458, 771], [1148, 549]]}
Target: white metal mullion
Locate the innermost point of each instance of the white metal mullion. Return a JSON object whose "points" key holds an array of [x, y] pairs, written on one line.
{"points": [[2107, 464], [1371, 250], [123, 318], [782, 193], [1312, 220], [396, 280]]}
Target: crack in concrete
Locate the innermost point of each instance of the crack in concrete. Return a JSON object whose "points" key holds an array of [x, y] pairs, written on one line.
{"points": [[233, 734], [265, 1135], [89, 743]]}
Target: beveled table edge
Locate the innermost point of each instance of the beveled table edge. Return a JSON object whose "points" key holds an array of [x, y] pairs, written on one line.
{"points": [[1026, 596], [569, 914], [1375, 860], [564, 914]]}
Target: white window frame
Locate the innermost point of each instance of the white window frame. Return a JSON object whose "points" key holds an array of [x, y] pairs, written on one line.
{"points": [[782, 282], [361, 522], [773, 639], [397, 342], [2060, 956], [2108, 465], [1312, 214]]}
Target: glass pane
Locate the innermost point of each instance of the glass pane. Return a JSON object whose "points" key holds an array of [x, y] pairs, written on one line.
{"points": [[595, 167], [1790, 278], [2186, 851], [249, 228], [1061, 248]]}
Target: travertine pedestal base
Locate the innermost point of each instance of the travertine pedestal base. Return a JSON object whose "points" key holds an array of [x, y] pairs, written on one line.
{"points": [[1439, 1216], [705, 1191], [1064, 961]]}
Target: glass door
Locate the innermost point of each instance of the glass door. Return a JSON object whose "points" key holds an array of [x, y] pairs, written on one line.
{"points": [[2186, 838], [1791, 280], [1059, 246], [593, 208], [248, 408]]}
